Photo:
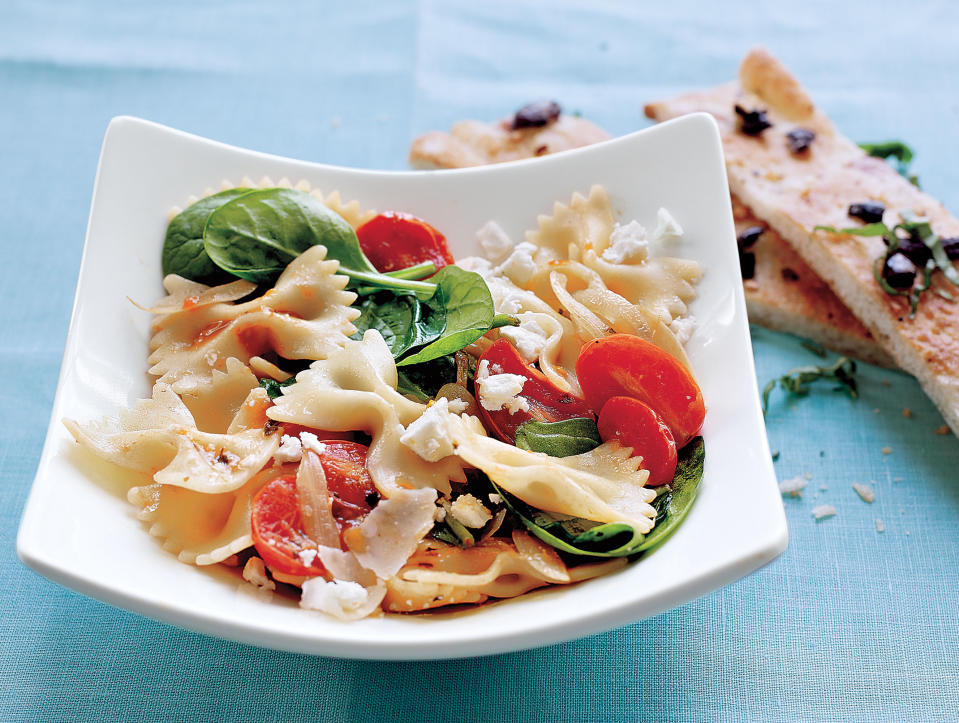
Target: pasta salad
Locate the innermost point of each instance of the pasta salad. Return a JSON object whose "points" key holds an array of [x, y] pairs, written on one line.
{"points": [[340, 406]]}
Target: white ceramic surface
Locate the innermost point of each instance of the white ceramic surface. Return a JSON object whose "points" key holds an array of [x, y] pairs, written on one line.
{"points": [[79, 531]]}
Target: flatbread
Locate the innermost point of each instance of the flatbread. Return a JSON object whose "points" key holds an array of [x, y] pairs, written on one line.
{"points": [[807, 309], [795, 193], [473, 143]]}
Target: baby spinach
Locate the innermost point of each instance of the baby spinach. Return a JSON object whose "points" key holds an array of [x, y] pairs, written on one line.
{"points": [[403, 322], [254, 237], [619, 539], [183, 252], [465, 300], [559, 439], [674, 504], [423, 381], [274, 388]]}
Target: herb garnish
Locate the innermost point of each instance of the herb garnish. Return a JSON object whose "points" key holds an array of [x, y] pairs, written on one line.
{"points": [[920, 245], [797, 381], [897, 150]]}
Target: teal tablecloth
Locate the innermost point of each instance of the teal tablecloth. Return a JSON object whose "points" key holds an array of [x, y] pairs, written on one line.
{"points": [[848, 624]]}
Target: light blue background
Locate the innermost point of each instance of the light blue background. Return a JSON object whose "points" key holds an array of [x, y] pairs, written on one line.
{"points": [[848, 624]]}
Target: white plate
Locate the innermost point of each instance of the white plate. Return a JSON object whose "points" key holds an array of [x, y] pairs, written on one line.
{"points": [[79, 531]]}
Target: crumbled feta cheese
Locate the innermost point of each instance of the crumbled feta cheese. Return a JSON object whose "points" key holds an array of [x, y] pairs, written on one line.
{"points": [[627, 243], [290, 450], [823, 511], [528, 338], [307, 556], [427, 435], [254, 572], [439, 514], [793, 487], [683, 328], [519, 266], [495, 499], [470, 512], [476, 264], [864, 491], [667, 227], [311, 442], [335, 596], [499, 391], [493, 240]]}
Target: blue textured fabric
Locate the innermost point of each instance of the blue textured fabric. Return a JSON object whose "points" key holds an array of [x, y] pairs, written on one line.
{"points": [[848, 624]]}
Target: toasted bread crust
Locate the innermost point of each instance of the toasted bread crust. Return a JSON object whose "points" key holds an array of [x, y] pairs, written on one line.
{"points": [[473, 143], [794, 194]]}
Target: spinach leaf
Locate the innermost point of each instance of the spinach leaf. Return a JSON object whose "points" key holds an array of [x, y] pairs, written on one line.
{"points": [[467, 304], [674, 505], [423, 381], [559, 439], [257, 234], [619, 539], [274, 388], [183, 251], [401, 319]]}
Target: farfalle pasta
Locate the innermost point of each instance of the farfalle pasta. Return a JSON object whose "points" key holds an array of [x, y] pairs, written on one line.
{"points": [[340, 407]]}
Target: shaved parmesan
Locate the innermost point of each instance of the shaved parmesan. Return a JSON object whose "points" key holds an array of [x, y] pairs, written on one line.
{"points": [[390, 533]]}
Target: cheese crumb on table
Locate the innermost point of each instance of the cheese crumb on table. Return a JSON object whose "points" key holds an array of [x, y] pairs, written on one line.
{"points": [[887, 450], [864, 491], [823, 511], [470, 511], [880, 525], [793, 487]]}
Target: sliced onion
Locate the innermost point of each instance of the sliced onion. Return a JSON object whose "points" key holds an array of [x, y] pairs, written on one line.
{"points": [[541, 557]]}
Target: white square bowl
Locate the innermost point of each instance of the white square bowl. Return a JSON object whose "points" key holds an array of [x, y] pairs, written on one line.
{"points": [[79, 531]]}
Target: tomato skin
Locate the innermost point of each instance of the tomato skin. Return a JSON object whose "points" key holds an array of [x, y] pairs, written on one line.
{"points": [[394, 241], [547, 402], [277, 522], [635, 424], [622, 365]]}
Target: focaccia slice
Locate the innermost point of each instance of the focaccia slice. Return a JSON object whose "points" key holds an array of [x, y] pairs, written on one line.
{"points": [[772, 299], [795, 193]]}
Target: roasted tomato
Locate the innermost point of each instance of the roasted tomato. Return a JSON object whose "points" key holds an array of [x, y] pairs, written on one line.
{"points": [[278, 532], [635, 424], [547, 403], [622, 365], [394, 241]]}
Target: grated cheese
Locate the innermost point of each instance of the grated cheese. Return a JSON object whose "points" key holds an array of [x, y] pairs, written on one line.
{"points": [[823, 511]]}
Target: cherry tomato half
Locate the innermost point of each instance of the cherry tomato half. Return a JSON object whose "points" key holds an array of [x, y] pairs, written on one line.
{"points": [[547, 402], [394, 241], [278, 532], [622, 365], [635, 424]]}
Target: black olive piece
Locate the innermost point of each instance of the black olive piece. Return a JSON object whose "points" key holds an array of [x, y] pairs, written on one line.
{"points": [[752, 122], [915, 250], [800, 139], [747, 264], [749, 236], [951, 247], [536, 114], [899, 272], [867, 211], [789, 274], [372, 499]]}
